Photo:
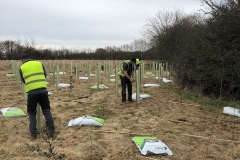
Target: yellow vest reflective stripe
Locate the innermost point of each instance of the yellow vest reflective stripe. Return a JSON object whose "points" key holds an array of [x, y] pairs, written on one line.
{"points": [[120, 72], [33, 75]]}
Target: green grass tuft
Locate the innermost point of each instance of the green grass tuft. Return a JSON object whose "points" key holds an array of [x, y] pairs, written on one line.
{"points": [[203, 100]]}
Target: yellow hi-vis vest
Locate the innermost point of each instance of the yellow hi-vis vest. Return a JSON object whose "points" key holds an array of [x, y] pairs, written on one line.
{"points": [[121, 72], [137, 61], [33, 75]]}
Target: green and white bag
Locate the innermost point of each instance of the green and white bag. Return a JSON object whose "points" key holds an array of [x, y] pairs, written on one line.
{"points": [[12, 112], [142, 95], [101, 86], [151, 145], [10, 75], [86, 120]]}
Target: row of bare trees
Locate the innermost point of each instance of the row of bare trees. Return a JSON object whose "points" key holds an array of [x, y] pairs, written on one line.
{"points": [[15, 49]]}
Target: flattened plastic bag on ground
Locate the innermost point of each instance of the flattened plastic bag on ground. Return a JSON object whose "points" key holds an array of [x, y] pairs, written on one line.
{"points": [[151, 145], [10, 75], [58, 73], [101, 86], [63, 85], [151, 85], [86, 120], [91, 75], [12, 112], [231, 111], [142, 95], [165, 80], [112, 80], [83, 78]]}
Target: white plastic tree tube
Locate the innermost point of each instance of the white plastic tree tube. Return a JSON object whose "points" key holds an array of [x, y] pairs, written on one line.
{"points": [[57, 77], [76, 72], [98, 76], [138, 86], [38, 119], [116, 82]]}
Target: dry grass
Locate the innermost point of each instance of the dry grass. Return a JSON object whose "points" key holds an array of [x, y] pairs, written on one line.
{"points": [[155, 116]]}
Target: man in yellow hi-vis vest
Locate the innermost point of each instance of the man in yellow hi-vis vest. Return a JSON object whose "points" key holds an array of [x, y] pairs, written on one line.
{"points": [[126, 74], [33, 75]]}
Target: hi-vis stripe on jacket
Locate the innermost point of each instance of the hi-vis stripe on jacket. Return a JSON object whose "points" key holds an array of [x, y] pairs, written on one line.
{"points": [[33, 75]]}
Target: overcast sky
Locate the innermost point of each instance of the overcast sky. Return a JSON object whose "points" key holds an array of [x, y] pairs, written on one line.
{"points": [[82, 24]]}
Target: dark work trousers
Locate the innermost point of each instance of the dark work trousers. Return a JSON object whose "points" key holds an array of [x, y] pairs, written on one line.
{"points": [[126, 83], [42, 99]]}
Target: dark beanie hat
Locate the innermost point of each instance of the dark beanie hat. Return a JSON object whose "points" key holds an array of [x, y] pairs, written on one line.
{"points": [[133, 59]]}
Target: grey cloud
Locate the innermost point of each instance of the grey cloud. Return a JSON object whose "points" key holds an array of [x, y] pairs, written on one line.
{"points": [[95, 22]]}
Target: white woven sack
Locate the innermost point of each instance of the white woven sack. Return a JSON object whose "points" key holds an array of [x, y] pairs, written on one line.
{"points": [[231, 111], [85, 120]]}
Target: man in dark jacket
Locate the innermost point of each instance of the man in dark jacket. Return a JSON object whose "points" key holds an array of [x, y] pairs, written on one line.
{"points": [[126, 74]]}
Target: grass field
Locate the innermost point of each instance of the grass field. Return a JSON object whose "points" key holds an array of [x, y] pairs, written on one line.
{"points": [[191, 130]]}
